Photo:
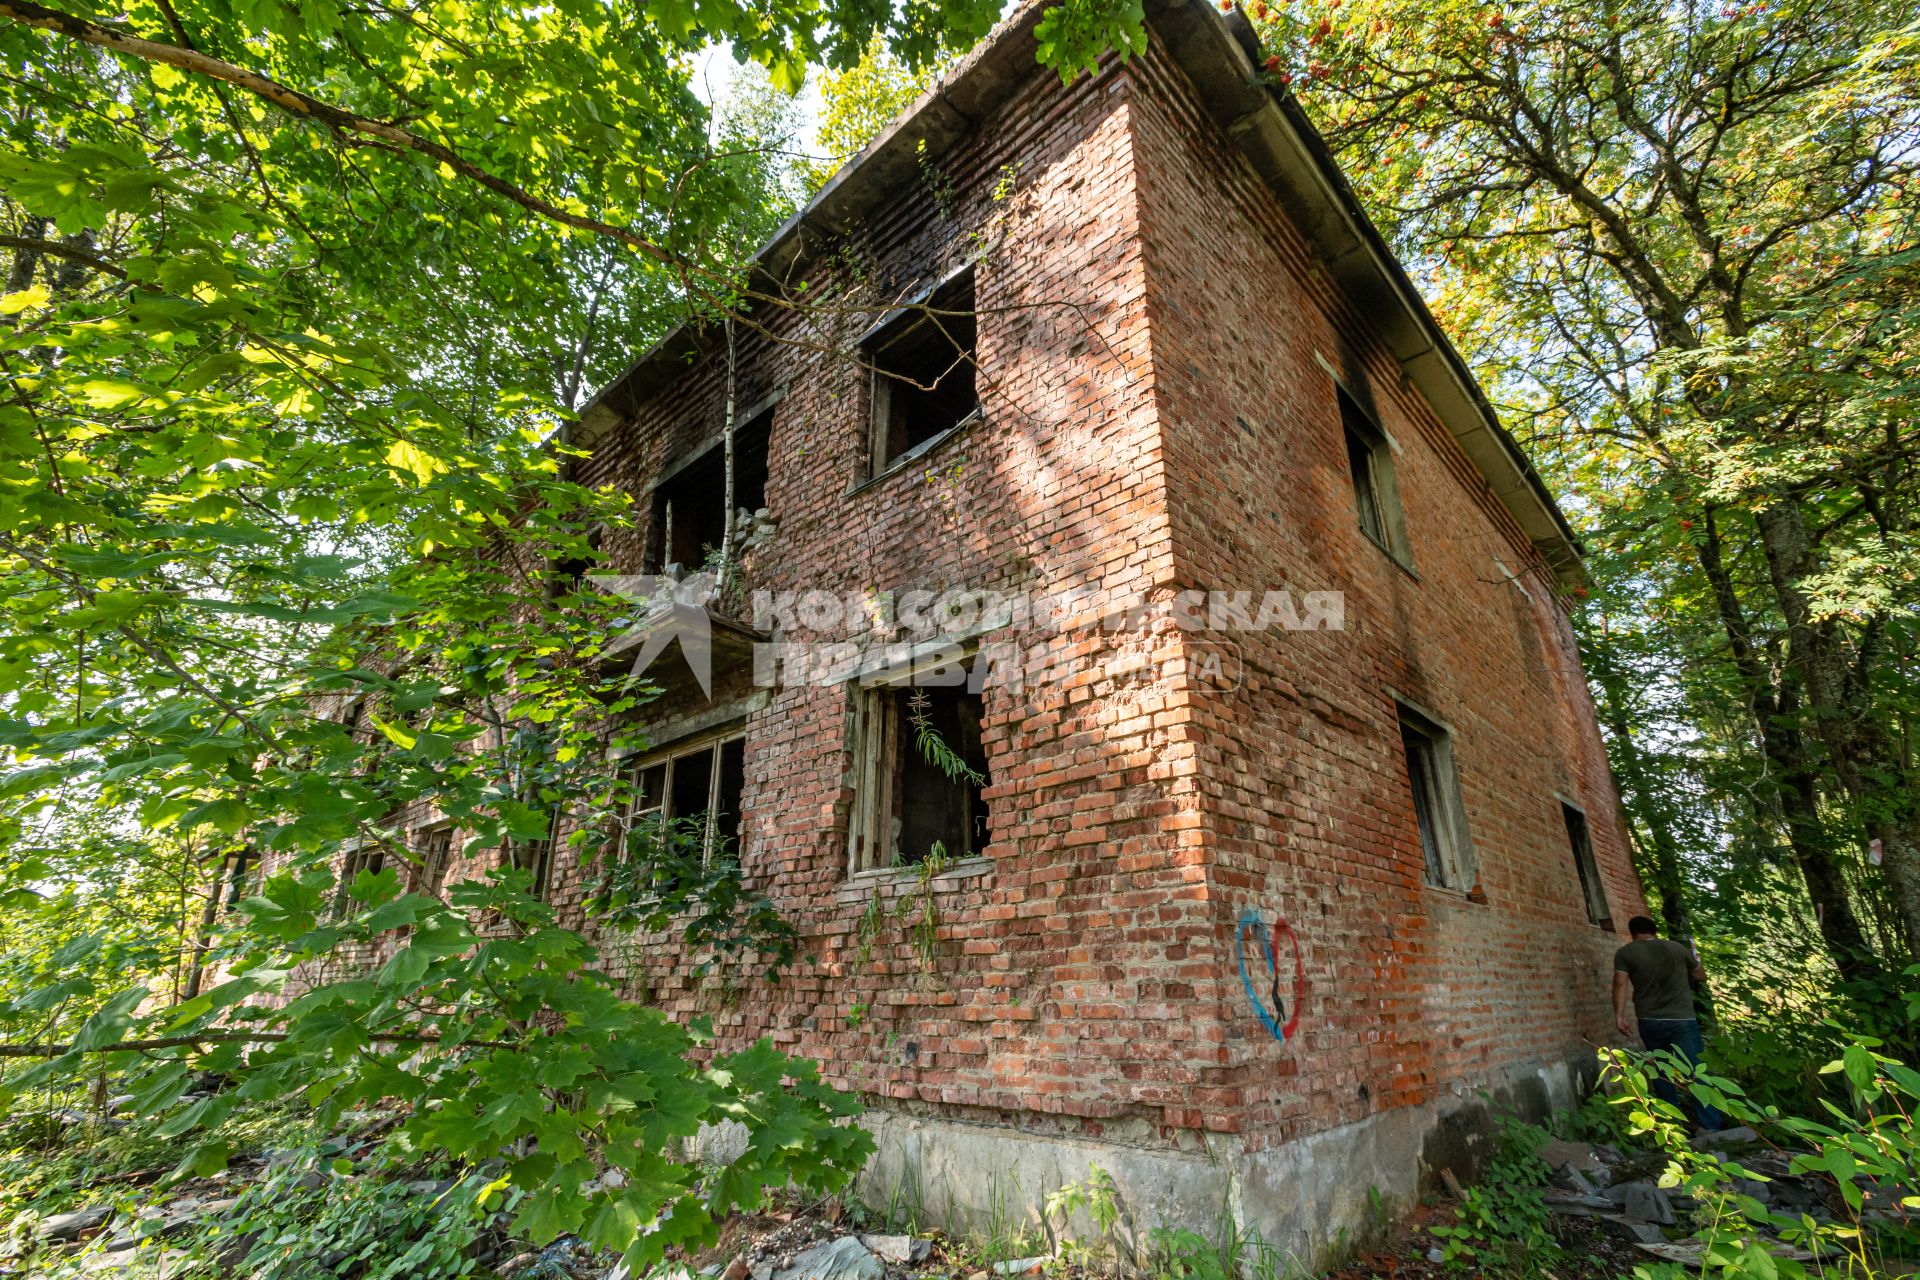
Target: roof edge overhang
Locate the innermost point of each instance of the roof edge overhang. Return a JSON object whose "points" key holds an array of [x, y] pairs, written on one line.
{"points": [[1217, 52]]}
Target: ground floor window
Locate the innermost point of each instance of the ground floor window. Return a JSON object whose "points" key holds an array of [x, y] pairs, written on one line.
{"points": [[920, 770], [697, 783], [1585, 867]]}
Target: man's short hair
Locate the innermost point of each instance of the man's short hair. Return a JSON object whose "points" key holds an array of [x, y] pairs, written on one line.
{"points": [[1642, 924]]}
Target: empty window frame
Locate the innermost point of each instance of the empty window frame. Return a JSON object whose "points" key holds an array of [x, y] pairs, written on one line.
{"points": [[570, 572], [1376, 499], [689, 512], [436, 859], [358, 857], [922, 373], [920, 772], [1591, 889], [1437, 809], [701, 782]]}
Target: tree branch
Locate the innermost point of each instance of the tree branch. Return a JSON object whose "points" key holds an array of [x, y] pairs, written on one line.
{"points": [[61, 249], [307, 107], [225, 1037]]}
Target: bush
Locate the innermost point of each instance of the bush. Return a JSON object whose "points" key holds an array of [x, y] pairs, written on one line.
{"points": [[1503, 1226], [1867, 1150]]}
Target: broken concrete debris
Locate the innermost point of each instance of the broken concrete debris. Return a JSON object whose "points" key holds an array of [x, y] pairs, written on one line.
{"points": [[1644, 1202], [842, 1259], [903, 1251], [68, 1226]]}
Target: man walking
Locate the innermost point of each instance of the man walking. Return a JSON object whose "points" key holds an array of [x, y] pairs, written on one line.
{"points": [[1660, 974]]}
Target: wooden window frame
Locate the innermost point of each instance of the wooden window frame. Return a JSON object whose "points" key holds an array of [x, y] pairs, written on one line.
{"points": [[1440, 816], [1375, 484], [877, 734], [357, 856], [436, 858], [891, 329], [712, 743], [1593, 890]]}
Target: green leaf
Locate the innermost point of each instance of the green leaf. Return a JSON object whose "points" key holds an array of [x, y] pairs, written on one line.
{"points": [[13, 304]]}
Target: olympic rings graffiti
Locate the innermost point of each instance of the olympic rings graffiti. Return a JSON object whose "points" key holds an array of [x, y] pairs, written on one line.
{"points": [[1275, 1019]]}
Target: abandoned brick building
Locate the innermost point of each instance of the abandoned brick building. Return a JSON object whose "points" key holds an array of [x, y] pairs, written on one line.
{"points": [[1248, 916]]}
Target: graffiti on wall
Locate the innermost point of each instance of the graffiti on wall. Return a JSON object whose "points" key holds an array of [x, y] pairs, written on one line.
{"points": [[1278, 1009]]}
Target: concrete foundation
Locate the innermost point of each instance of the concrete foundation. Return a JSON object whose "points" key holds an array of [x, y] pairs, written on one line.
{"points": [[1309, 1200]]}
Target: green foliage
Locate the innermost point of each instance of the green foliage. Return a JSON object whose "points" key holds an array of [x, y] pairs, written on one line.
{"points": [[1678, 245], [855, 104], [285, 488], [49, 1163], [1866, 1149], [664, 877], [1097, 1198], [1502, 1226], [1174, 1253], [935, 748], [1073, 35], [371, 1228]]}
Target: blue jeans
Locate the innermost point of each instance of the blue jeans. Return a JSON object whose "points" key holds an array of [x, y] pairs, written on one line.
{"points": [[1682, 1036]]}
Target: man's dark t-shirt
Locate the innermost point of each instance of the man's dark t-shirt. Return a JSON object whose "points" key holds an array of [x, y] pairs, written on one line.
{"points": [[1658, 969]]}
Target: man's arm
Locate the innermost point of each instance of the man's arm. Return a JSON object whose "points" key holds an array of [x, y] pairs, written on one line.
{"points": [[1697, 974], [1622, 988]]}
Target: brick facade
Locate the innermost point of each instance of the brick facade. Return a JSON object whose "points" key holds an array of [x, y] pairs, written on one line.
{"points": [[1160, 340]]}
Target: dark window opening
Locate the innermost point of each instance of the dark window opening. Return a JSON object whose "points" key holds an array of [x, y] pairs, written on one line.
{"points": [[1436, 801], [940, 806], [1376, 501], [920, 775], [692, 785], [571, 571], [702, 785], [923, 373], [363, 858], [1591, 889], [690, 507], [728, 788], [1366, 492]]}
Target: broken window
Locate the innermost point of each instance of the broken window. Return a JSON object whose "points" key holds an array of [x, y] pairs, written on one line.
{"points": [[570, 572], [1437, 809], [1585, 867], [690, 501], [1370, 462], [436, 858], [922, 364], [699, 785], [359, 857], [920, 771]]}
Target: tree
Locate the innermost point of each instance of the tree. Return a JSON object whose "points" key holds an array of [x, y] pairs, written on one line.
{"points": [[300, 298], [1676, 239]]}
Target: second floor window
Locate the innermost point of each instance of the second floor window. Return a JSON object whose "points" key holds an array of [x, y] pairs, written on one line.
{"points": [[1376, 498], [922, 370], [690, 508]]}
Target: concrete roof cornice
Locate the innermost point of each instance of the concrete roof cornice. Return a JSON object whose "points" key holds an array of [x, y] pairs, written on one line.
{"points": [[1217, 52]]}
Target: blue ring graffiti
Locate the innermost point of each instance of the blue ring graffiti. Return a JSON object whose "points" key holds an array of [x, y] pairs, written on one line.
{"points": [[1276, 1020]]}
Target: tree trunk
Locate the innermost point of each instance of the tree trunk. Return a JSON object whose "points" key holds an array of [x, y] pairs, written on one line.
{"points": [[1862, 760], [1774, 710]]}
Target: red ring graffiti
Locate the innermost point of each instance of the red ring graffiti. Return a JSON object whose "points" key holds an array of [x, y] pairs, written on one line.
{"points": [[1282, 1031]]}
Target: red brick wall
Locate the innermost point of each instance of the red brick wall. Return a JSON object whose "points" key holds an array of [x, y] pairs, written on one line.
{"points": [[1140, 294], [1413, 992], [1063, 984]]}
